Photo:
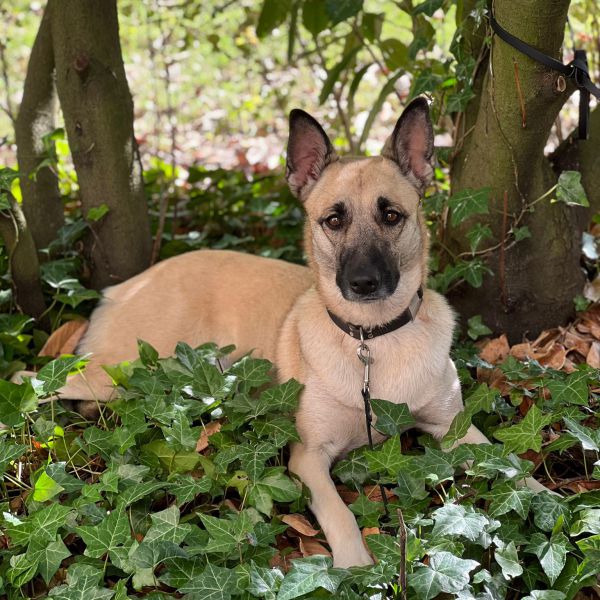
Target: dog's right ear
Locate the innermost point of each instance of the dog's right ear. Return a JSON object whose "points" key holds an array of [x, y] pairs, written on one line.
{"points": [[309, 151]]}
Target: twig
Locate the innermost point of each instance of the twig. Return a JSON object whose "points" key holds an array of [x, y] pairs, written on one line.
{"points": [[520, 94], [8, 109], [501, 258], [402, 539]]}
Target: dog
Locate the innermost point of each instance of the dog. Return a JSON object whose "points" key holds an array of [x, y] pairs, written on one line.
{"points": [[367, 247]]}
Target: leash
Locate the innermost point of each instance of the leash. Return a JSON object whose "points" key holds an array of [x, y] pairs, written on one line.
{"points": [[577, 69]]}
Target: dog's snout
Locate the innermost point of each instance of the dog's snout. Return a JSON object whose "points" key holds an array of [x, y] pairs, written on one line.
{"points": [[364, 283]]}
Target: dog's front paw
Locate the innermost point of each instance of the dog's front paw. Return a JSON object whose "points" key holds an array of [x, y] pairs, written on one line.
{"points": [[352, 555]]}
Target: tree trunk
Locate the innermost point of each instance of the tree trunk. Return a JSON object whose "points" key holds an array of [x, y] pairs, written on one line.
{"points": [[42, 204], [583, 156], [98, 112], [522, 296], [23, 260]]}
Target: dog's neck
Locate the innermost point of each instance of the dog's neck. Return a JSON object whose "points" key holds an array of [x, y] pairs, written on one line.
{"points": [[362, 333]]}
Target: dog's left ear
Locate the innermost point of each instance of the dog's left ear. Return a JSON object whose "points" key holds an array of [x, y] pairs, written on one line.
{"points": [[309, 151], [411, 144]]}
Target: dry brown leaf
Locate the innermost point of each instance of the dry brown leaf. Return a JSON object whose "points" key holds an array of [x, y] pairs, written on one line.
{"points": [[522, 351], [300, 524], [65, 339], [283, 562], [496, 350], [593, 356], [574, 341], [494, 378], [309, 546], [347, 495], [208, 430], [369, 531], [373, 492], [554, 357]]}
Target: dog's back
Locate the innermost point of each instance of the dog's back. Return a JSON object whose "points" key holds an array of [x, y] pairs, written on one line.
{"points": [[207, 295]]}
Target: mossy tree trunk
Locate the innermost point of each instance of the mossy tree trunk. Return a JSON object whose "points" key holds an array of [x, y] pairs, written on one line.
{"points": [[42, 205], [534, 280], [98, 112]]}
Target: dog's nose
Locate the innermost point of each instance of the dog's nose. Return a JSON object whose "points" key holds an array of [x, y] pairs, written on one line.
{"points": [[364, 284]]}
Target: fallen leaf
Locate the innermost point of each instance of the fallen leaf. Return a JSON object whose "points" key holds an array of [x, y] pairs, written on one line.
{"points": [[593, 356], [496, 350], [300, 524], [309, 546], [208, 430], [373, 492], [347, 495], [370, 531], [65, 339]]}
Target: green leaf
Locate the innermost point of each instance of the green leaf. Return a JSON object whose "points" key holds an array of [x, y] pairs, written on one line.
{"points": [[371, 24], [264, 582], [395, 54], [279, 429], [166, 527], [477, 328], [545, 595], [215, 583], [314, 16], [45, 488], [341, 10], [334, 74], [48, 556], [227, 535], [282, 398], [279, 485], [588, 522], [477, 234], [426, 81], [9, 453], [508, 559], [97, 212], [352, 469], [456, 519], [551, 552], [521, 233], [17, 399], [570, 190], [186, 488], [428, 7], [445, 573], [547, 509], [54, 375], [391, 418], [112, 532], [309, 574], [468, 202], [589, 438], [252, 373], [507, 497], [573, 390], [524, 436], [253, 457], [388, 457], [272, 15], [171, 460], [43, 525]]}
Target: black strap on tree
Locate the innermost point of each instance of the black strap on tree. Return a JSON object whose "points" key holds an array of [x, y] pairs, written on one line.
{"points": [[577, 69]]}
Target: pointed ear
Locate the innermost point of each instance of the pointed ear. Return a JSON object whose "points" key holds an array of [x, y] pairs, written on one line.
{"points": [[309, 151], [411, 144]]}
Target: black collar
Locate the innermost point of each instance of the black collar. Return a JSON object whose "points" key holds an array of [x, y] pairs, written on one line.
{"points": [[368, 334]]}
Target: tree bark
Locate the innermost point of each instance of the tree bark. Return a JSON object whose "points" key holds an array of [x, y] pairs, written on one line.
{"points": [[24, 266], [583, 156], [98, 111], [535, 280], [42, 204]]}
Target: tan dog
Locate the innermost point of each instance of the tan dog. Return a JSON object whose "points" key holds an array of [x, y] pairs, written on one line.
{"points": [[367, 246]]}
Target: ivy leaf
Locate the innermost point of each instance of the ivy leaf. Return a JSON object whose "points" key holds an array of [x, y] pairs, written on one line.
{"points": [[352, 469], [104, 538], [545, 595], [477, 328], [391, 418], [253, 457], [279, 429], [281, 398], [181, 571], [570, 190], [133, 493], [456, 519], [477, 234], [186, 488], [521, 233], [226, 534], [16, 400], [165, 526], [547, 509], [43, 524], [552, 553], [468, 202], [445, 573], [54, 375], [82, 584], [589, 438], [573, 390], [507, 497], [388, 457], [309, 574], [508, 559], [48, 556], [524, 436], [252, 373], [10, 453], [264, 582], [215, 583], [588, 522]]}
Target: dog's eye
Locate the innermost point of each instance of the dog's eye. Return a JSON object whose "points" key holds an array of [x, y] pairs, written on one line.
{"points": [[333, 222], [392, 217]]}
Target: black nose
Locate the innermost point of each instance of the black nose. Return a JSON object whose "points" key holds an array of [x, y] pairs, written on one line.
{"points": [[364, 283]]}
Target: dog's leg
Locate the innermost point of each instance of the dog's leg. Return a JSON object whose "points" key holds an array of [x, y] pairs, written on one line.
{"points": [[338, 523]]}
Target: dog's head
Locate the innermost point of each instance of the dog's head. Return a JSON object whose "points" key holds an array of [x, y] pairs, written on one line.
{"points": [[365, 234]]}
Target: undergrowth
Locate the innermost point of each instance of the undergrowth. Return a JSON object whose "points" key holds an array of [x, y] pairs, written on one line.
{"points": [[179, 489]]}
